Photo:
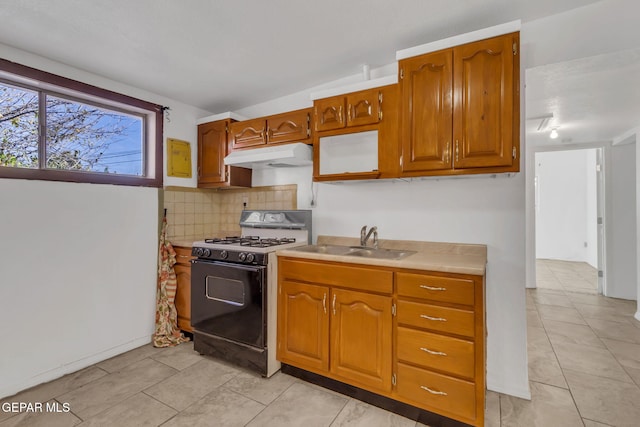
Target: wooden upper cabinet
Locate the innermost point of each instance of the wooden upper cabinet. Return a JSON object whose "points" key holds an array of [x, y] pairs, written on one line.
{"points": [[213, 146], [427, 111], [484, 105], [294, 126], [354, 109], [364, 107], [212, 149], [247, 133], [361, 347], [460, 109], [329, 113]]}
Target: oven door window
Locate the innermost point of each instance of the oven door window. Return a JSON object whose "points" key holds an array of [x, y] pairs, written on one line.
{"points": [[227, 301], [228, 291]]}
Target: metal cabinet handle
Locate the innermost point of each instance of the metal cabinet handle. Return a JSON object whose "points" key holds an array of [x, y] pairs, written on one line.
{"points": [[349, 112], [431, 288], [438, 319], [457, 150], [439, 393], [340, 114], [435, 353], [334, 304], [324, 303]]}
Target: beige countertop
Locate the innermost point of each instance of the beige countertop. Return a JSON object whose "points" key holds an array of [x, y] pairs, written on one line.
{"points": [[433, 256]]}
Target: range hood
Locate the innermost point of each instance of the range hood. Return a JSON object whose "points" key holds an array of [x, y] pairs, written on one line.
{"points": [[285, 155]]}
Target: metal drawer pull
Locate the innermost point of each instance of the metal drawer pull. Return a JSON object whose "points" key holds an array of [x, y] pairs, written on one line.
{"points": [[439, 393], [334, 304], [431, 288], [439, 319], [324, 303], [436, 353]]}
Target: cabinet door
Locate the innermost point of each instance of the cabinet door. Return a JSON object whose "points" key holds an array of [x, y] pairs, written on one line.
{"points": [[361, 338], [329, 113], [247, 133], [426, 112], [183, 296], [212, 149], [364, 108], [289, 127], [484, 103], [303, 325]]}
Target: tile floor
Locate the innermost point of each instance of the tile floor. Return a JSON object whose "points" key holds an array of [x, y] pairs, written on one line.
{"points": [[584, 368]]}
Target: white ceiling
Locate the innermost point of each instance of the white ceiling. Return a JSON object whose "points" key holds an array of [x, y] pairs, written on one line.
{"points": [[222, 55], [594, 99]]}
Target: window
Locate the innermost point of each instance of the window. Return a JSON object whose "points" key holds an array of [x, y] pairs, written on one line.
{"points": [[53, 128]]}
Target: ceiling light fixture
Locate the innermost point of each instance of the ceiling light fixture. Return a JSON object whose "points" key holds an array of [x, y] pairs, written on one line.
{"points": [[554, 133]]}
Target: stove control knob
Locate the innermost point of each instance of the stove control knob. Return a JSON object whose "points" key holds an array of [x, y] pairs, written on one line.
{"points": [[242, 256], [224, 254], [207, 253], [199, 251], [250, 257]]}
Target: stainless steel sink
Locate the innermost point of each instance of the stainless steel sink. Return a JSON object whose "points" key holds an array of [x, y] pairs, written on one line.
{"points": [[359, 251], [392, 254], [324, 249]]}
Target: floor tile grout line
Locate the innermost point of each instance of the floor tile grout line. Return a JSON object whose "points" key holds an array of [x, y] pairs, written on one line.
{"points": [[340, 411], [563, 373], [266, 406], [158, 400], [71, 412]]}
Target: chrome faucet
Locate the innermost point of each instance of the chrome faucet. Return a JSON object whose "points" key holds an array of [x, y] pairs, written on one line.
{"points": [[364, 236]]}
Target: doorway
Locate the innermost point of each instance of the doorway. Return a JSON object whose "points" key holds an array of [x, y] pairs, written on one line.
{"points": [[569, 220]]}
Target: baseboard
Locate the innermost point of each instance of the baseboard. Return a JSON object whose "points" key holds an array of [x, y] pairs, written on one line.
{"points": [[50, 375]]}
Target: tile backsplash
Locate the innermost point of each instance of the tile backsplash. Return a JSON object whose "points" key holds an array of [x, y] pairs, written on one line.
{"points": [[193, 214]]}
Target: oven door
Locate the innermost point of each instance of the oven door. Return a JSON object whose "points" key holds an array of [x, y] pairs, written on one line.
{"points": [[227, 301]]}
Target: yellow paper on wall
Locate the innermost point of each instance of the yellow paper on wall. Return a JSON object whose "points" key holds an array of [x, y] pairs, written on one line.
{"points": [[178, 158]]}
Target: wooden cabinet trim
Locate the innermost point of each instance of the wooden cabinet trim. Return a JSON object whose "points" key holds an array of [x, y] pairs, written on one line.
{"points": [[436, 288], [436, 318], [450, 396], [349, 276], [436, 352]]}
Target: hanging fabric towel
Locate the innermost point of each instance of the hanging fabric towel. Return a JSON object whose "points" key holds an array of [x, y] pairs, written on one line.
{"points": [[167, 333]]}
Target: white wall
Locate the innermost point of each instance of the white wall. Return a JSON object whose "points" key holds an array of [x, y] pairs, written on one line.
{"points": [[622, 275], [564, 223], [78, 262]]}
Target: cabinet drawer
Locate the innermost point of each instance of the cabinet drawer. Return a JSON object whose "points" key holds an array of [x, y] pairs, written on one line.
{"points": [[183, 255], [366, 279], [436, 318], [452, 355], [444, 289], [438, 391]]}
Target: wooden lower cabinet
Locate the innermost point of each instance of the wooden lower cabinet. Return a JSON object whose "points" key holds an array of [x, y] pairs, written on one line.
{"points": [[332, 330], [361, 338], [414, 337], [182, 268], [303, 325], [457, 398]]}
